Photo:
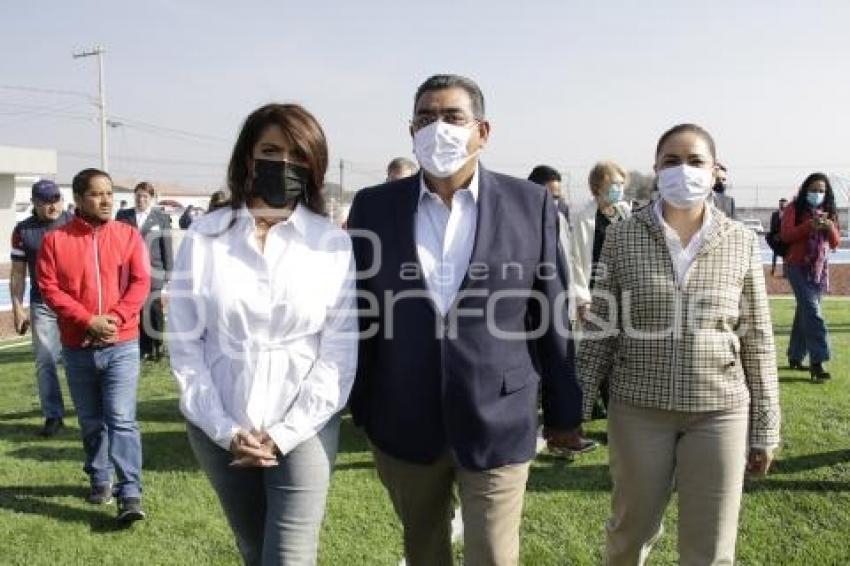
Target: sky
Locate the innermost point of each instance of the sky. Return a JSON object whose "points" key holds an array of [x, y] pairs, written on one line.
{"points": [[566, 82]]}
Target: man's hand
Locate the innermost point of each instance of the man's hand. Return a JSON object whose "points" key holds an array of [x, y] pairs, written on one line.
{"points": [[104, 328], [759, 462], [251, 450], [581, 312], [22, 321]]}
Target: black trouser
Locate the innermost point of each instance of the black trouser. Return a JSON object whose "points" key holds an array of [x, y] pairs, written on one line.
{"points": [[151, 325], [773, 264], [600, 408]]}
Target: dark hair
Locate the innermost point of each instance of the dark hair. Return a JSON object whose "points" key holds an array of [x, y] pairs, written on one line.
{"points": [[80, 183], [801, 203], [399, 164], [687, 128], [442, 82], [217, 200], [543, 174], [302, 133], [147, 187]]}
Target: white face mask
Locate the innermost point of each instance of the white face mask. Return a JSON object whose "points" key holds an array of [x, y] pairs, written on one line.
{"points": [[684, 186], [440, 148]]}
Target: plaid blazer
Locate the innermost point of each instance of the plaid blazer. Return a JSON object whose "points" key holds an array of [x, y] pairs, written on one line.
{"points": [[704, 345]]}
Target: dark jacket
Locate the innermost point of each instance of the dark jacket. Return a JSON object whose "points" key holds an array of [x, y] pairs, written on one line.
{"points": [[156, 233], [26, 241], [724, 203], [474, 393]]}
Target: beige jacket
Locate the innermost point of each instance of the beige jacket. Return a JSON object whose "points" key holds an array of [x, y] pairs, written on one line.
{"points": [[706, 345]]}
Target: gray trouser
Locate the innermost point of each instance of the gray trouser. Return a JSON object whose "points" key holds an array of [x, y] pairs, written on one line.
{"points": [[275, 513]]}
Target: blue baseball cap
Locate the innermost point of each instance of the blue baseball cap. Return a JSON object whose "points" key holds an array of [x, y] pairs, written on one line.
{"points": [[46, 190]]}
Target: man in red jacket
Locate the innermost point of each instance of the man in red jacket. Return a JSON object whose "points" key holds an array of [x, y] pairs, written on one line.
{"points": [[95, 274]]}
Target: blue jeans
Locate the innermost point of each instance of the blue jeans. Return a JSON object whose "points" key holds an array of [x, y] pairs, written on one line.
{"points": [[103, 383], [276, 513], [808, 333], [45, 344]]}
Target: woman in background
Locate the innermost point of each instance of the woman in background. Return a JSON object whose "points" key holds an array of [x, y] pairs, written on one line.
{"points": [[810, 228], [607, 182]]}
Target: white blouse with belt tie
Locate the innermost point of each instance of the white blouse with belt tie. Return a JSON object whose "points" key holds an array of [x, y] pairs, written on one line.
{"points": [[263, 340]]}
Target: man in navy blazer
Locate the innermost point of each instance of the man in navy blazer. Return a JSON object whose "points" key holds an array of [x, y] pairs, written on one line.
{"points": [[155, 227], [463, 315]]}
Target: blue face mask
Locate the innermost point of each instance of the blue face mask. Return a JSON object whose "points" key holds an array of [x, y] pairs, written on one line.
{"points": [[815, 199], [615, 193]]}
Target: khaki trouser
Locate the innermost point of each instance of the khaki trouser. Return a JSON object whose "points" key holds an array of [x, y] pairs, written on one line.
{"points": [[703, 454], [491, 506]]}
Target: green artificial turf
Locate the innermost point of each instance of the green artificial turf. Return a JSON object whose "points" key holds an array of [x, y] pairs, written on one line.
{"points": [[799, 514]]}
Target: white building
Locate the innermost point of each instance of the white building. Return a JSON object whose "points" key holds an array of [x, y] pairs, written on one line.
{"points": [[18, 165]]}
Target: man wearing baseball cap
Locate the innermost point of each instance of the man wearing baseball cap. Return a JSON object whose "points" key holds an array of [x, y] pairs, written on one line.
{"points": [[27, 236]]}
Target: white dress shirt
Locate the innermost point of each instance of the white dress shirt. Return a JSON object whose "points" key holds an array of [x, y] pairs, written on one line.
{"points": [[141, 217], [263, 340], [445, 238], [682, 256]]}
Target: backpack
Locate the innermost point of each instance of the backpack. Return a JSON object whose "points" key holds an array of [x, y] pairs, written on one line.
{"points": [[776, 243]]}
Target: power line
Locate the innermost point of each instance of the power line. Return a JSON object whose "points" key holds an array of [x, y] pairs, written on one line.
{"points": [[39, 90], [31, 106], [37, 114], [137, 159], [156, 128]]}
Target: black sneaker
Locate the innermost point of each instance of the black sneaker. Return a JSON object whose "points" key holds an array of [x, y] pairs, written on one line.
{"points": [[818, 373], [796, 365], [130, 510], [52, 425], [585, 445], [100, 494]]}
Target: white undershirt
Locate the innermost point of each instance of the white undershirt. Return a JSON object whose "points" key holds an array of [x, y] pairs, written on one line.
{"points": [[141, 217], [445, 238], [682, 256]]}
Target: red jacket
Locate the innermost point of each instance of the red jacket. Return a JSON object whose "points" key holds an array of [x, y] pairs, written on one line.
{"points": [[84, 271], [796, 235]]}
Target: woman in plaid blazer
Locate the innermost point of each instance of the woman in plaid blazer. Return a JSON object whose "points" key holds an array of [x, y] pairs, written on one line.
{"points": [[680, 324]]}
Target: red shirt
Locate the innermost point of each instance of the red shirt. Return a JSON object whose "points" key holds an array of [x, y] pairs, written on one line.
{"points": [[796, 235], [85, 271]]}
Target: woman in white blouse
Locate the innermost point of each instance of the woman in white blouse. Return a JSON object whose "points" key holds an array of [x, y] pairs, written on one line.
{"points": [[263, 337]]}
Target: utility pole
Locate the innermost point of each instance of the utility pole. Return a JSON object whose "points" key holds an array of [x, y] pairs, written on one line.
{"points": [[341, 178], [99, 51]]}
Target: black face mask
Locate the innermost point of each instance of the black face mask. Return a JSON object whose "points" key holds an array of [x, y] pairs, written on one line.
{"points": [[719, 187], [280, 183]]}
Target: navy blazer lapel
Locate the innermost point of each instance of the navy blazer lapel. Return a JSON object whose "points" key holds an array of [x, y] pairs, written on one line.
{"points": [[489, 214], [407, 202]]}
